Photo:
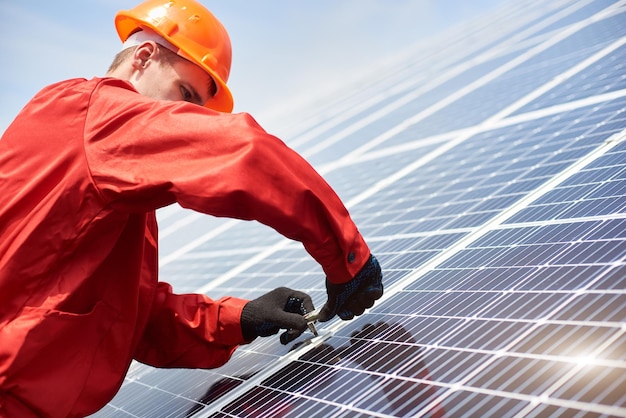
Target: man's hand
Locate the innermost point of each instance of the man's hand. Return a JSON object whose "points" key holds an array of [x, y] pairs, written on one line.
{"points": [[350, 299], [281, 308]]}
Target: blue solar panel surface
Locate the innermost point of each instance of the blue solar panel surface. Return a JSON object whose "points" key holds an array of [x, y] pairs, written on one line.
{"points": [[489, 178]]}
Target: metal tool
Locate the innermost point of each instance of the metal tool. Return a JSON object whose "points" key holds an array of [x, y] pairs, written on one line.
{"points": [[311, 319]]}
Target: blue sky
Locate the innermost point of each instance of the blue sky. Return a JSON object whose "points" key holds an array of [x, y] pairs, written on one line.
{"points": [[283, 50]]}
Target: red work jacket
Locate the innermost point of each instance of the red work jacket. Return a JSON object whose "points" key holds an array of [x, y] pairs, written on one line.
{"points": [[82, 169]]}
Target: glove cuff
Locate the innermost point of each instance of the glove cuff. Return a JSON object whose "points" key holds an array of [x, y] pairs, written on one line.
{"points": [[229, 320], [248, 330]]}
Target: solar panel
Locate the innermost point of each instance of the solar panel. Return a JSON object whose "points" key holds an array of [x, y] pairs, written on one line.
{"points": [[490, 181]]}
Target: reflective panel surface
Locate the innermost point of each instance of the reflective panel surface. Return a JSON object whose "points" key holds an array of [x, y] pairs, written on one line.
{"points": [[488, 175]]}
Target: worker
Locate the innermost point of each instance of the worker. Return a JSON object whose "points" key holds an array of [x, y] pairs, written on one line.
{"points": [[83, 168]]}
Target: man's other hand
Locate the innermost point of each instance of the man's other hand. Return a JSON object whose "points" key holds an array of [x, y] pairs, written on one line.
{"points": [[350, 299]]}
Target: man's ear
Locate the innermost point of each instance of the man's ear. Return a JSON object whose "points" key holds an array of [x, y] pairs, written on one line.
{"points": [[143, 54]]}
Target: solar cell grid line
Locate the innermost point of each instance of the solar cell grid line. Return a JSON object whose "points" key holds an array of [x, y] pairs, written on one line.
{"points": [[565, 201], [510, 65], [502, 370], [539, 15], [327, 131], [201, 229], [554, 340], [584, 10], [338, 393], [423, 99], [536, 15], [562, 78], [174, 255], [392, 118], [195, 243], [373, 95], [611, 387], [455, 49], [178, 223], [422, 192], [566, 288], [241, 234], [436, 58], [355, 110], [606, 75], [191, 245], [435, 123], [622, 329], [443, 82]]}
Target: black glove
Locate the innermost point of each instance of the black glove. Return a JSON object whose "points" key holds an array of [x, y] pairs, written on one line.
{"points": [[350, 299], [280, 308]]}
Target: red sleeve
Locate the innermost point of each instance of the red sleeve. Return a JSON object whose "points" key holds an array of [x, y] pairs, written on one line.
{"points": [[190, 330], [146, 154]]}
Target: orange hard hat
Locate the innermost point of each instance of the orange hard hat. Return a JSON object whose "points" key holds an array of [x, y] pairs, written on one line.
{"points": [[193, 29]]}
